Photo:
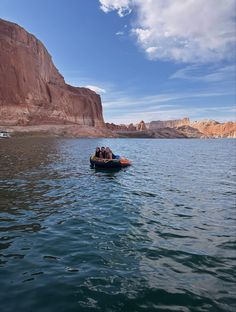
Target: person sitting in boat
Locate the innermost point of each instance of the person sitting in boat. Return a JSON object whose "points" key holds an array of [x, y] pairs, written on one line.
{"points": [[103, 152], [97, 152], [108, 153]]}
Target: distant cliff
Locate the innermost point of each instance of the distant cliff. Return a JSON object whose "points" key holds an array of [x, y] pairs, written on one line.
{"points": [[212, 128], [33, 92], [153, 125], [202, 128], [141, 126], [179, 128]]}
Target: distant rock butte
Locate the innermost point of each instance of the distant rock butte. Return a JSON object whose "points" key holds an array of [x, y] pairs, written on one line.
{"points": [[33, 92], [153, 125], [180, 128], [202, 128], [141, 126], [122, 127], [212, 128]]}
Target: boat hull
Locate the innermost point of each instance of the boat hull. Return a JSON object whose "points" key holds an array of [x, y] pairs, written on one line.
{"points": [[109, 163]]}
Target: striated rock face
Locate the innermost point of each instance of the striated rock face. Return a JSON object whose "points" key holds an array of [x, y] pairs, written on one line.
{"points": [[212, 128], [198, 129], [182, 128], [33, 92], [167, 133], [190, 132], [163, 133], [169, 123]]}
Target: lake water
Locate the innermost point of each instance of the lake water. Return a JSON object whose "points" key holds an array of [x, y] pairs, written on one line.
{"points": [[157, 236]]}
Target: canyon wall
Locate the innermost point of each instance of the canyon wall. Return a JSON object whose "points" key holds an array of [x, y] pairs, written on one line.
{"points": [[33, 92]]}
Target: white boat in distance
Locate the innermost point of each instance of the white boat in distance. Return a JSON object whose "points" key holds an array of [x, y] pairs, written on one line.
{"points": [[4, 135]]}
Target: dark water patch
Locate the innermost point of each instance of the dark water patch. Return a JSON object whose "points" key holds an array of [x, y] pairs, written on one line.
{"points": [[28, 280], [21, 227], [147, 194], [14, 256], [228, 245], [50, 258], [36, 273]]}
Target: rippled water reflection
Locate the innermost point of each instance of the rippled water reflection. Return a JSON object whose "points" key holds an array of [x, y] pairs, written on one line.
{"points": [[158, 236]]}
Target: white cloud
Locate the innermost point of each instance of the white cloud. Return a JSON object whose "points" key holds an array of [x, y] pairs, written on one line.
{"points": [[122, 6], [96, 89], [210, 74], [120, 33], [121, 101], [151, 52], [181, 30]]}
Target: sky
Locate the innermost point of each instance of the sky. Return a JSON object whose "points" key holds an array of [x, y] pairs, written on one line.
{"points": [[148, 59]]}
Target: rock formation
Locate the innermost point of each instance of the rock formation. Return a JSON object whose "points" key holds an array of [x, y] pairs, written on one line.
{"points": [[114, 127], [153, 125], [181, 128], [131, 127], [33, 92], [122, 127], [141, 126], [212, 128], [167, 133], [202, 128], [190, 132]]}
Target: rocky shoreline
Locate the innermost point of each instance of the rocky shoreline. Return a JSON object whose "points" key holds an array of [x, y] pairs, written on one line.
{"points": [[180, 128], [58, 131], [78, 131]]}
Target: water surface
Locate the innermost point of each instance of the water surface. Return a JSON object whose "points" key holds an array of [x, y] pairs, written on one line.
{"points": [[158, 236]]}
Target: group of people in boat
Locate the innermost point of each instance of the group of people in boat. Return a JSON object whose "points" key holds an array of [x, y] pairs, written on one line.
{"points": [[104, 153]]}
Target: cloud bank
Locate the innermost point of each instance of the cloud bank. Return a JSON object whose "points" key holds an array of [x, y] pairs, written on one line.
{"points": [[187, 31], [211, 74]]}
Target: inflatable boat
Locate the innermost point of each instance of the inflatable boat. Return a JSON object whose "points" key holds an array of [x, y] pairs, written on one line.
{"points": [[109, 163]]}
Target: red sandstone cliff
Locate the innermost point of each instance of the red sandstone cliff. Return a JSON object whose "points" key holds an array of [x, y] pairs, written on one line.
{"points": [[212, 128], [178, 128], [33, 92], [202, 128]]}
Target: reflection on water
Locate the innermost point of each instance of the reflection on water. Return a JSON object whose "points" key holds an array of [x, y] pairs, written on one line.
{"points": [[159, 235]]}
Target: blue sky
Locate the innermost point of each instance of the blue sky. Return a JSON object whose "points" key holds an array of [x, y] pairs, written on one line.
{"points": [[150, 60]]}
